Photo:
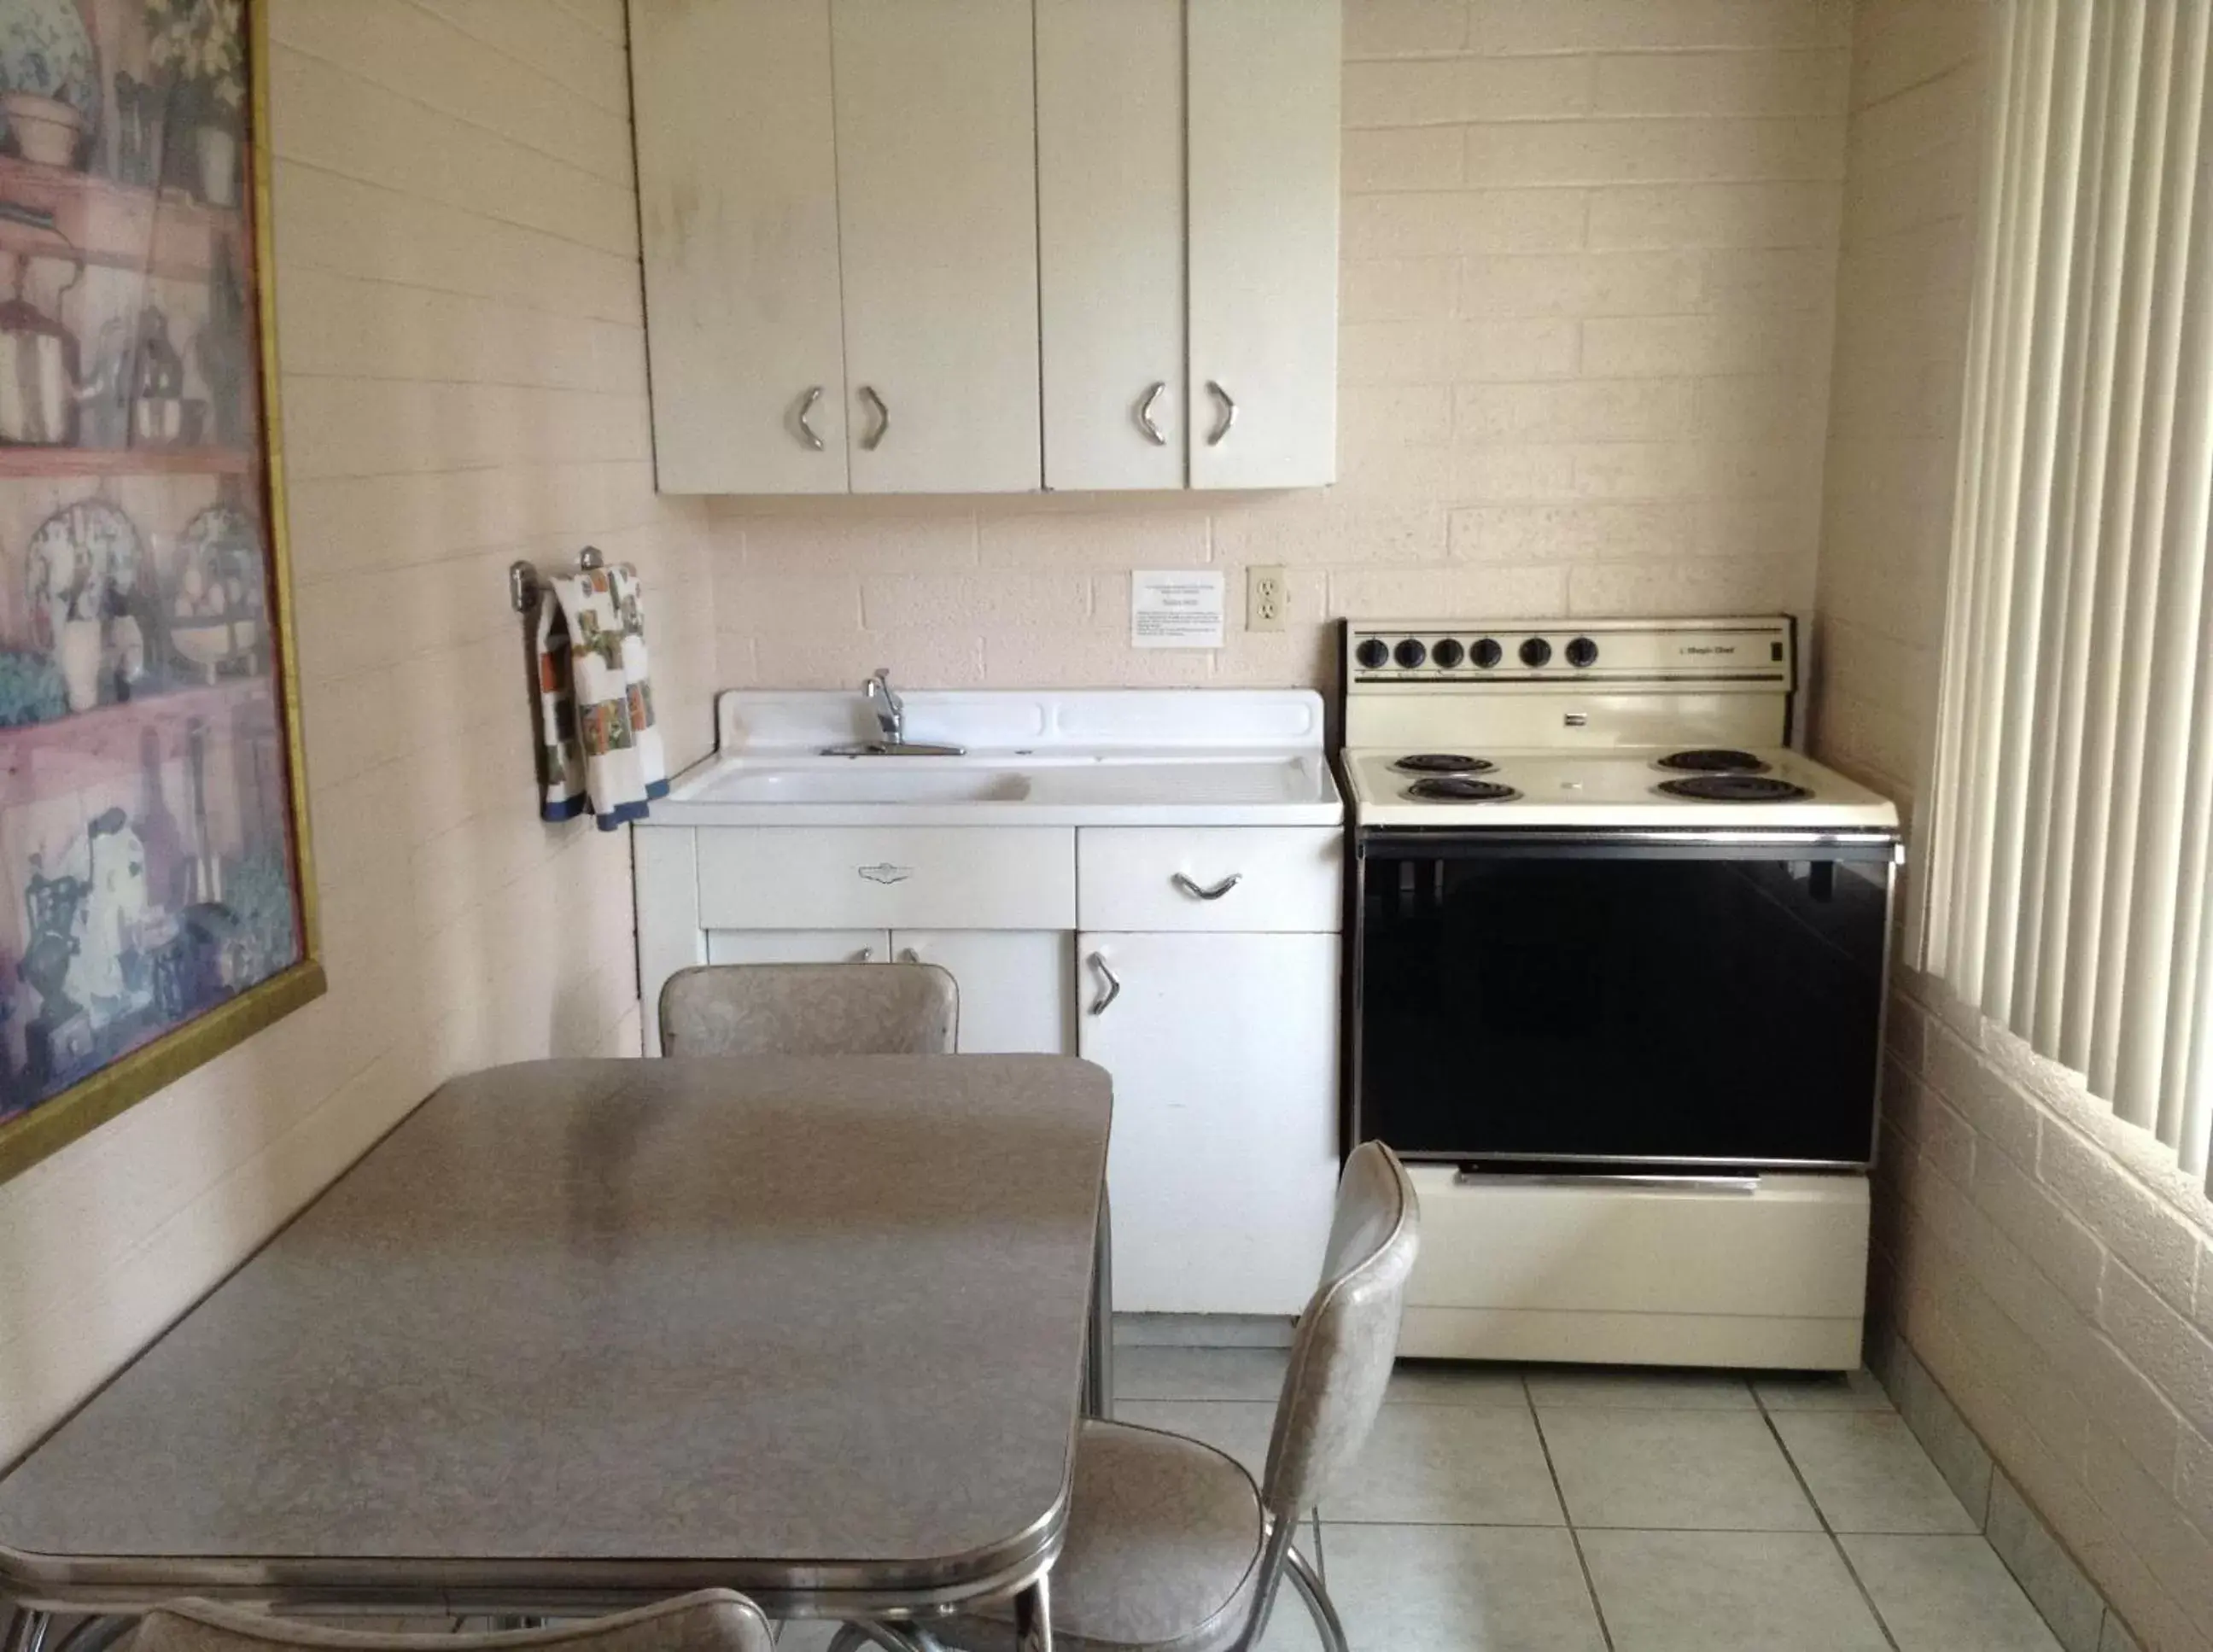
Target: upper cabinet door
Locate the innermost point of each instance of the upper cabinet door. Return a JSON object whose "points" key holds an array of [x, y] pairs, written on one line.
{"points": [[937, 203], [738, 205], [1265, 99], [1111, 241]]}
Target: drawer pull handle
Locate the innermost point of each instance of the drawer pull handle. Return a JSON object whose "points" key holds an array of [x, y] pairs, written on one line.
{"points": [[1098, 961], [908, 955], [884, 872], [807, 432], [866, 955], [1229, 419], [1154, 434], [874, 439], [1191, 887]]}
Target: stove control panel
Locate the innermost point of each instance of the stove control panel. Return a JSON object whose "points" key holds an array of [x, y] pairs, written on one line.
{"points": [[1758, 653]]}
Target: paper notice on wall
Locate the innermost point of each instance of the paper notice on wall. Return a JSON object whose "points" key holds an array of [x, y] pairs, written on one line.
{"points": [[1176, 608]]}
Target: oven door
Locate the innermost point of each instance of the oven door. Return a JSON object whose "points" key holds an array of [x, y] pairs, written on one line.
{"points": [[1666, 1000]]}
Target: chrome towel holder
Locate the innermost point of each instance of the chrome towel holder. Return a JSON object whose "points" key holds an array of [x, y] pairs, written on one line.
{"points": [[523, 583]]}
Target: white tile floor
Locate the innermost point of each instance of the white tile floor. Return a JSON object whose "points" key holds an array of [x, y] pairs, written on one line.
{"points": [[1574, 1510]]}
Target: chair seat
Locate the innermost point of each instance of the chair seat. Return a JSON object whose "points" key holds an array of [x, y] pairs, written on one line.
{"points": [[1162, 1552]]}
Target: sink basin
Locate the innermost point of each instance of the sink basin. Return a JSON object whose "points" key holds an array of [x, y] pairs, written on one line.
{"points": [[899, 781]]}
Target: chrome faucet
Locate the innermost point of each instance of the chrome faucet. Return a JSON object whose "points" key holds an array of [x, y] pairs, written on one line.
{"points": [[890, 709], [891, 726]]}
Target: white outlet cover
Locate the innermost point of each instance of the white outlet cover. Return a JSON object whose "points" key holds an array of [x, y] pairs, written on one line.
{"points": [[1177, 608]]}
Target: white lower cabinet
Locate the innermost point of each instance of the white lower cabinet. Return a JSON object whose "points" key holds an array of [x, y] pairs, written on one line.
{"points": [[1017, 986], [1221, 1035], [1223, 1050]]}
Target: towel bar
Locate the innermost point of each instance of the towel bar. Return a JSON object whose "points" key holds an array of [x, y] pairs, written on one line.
{"points": [[522, 576]]}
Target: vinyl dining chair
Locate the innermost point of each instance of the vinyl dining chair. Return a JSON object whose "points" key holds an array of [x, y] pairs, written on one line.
{"points": [[712, 1621], [1170, 1546], [809, 1009]]}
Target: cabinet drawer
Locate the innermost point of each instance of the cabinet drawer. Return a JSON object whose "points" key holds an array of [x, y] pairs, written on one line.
{"points": [[886, 878], [1289, 880]]}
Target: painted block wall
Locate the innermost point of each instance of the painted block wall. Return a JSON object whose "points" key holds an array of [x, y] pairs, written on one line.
{"points": [[2043, 1268], [1589, 252], [464, 382]]}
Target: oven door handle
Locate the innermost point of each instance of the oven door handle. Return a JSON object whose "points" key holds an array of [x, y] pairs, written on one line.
{"points": [[1653, 1181]]}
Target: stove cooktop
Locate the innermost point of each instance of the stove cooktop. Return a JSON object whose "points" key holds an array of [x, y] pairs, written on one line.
{"points": [[1615, 789]]}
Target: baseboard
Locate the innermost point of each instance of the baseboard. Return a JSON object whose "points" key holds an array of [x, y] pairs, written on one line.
{"points": [[2080, 1616]]}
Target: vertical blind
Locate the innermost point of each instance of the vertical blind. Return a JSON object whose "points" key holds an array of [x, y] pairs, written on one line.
{"points": [[2069, 882]]}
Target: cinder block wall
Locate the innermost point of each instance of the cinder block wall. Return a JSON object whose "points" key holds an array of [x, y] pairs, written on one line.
{"points": [[1589, 252], [460, 320], [2046, 1285]]}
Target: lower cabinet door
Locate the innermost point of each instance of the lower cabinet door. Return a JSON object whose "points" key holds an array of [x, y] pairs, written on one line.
{"points": [[798, 946], [1017, 986], [1223, 1050]]}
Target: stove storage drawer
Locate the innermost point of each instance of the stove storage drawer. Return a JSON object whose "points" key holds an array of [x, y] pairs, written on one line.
{"points": [[887, 878], [1243, 879]]}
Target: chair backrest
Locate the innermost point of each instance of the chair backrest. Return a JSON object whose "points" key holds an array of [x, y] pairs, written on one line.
{"points": [[712, 1620], [1348, 1337], [809, 1009]]}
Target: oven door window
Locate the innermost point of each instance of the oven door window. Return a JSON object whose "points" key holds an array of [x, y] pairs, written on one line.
{"points": [[1619, 1005]]}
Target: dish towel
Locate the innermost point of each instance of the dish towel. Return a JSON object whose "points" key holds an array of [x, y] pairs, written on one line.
{"points": [[602, 751]]}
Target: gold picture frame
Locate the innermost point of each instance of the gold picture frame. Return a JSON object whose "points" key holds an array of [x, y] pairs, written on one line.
{"points": [[58, 1118]]}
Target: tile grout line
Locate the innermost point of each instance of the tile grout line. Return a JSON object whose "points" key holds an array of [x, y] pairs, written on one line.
{"points": [[1574, 1536], [1882, 1627]]}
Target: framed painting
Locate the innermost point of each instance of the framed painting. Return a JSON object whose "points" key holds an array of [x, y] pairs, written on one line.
{"points": [[156, 899]]}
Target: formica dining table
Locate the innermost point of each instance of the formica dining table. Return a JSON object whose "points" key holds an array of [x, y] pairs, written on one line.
{"points": [[577, 1334]]}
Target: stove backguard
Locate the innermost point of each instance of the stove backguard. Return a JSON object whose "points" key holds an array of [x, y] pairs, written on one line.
{"points": [[1617, 1000]]}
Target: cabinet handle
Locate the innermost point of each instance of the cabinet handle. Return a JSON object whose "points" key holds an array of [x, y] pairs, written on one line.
{"points": [[1098, 961], [1152, 432], [866, 955], [1190, 886], [908, 955], [1228, 413], [806, 406], [883, 413]]}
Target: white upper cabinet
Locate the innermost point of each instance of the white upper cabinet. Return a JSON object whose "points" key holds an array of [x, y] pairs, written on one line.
{"points": [[937, 203], [1263, 81], [738, 207], [990, 245], [1111, 242]]}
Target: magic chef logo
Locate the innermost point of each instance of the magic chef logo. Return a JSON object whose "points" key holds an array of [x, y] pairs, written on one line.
{"points": [[882, 872], [1701, 651]]}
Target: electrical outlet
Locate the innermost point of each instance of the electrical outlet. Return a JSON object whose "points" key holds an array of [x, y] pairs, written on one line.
{"points": [[1266, 597]]}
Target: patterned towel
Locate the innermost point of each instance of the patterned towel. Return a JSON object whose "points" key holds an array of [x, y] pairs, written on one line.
{"points": [[602, 751]]}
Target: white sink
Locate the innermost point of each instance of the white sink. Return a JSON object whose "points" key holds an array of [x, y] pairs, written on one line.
{"points": [[870, 780], [1034, 758]]}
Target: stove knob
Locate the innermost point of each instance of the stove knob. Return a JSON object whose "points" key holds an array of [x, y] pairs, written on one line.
{"points": [[1373, 653], [1536, 652], [1582, 652], [1411, 652], [1487, 653], [1447, 655]]}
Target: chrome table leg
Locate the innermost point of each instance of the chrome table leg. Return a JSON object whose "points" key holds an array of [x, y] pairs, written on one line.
{"points": [[1098, 1367], [891, 1637], [28, 1633], [1034, 1617]]}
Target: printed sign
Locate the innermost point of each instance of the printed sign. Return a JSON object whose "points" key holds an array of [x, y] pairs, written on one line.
{"points": [[1176, 608]]}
